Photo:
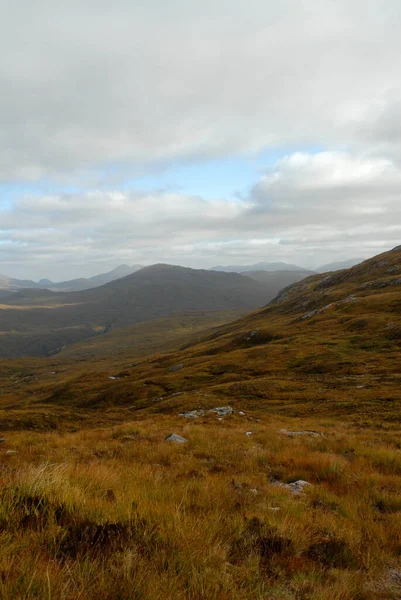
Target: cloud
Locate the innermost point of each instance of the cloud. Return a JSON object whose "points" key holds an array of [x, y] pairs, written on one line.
{"points": [[307, 209], [87, 84]]}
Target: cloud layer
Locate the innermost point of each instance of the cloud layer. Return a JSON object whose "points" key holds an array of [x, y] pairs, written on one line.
{"points": [[306, 208], [89, 90], [97, 82]]}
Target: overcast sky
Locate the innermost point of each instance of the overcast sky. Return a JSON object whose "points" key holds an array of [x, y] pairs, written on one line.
{"points": [[197, 132]]}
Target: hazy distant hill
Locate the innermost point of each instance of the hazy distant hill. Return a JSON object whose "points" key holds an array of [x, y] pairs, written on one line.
{"points": [[40, 322], [336, 266], [275, 281], [9, 283], [261, 266]]}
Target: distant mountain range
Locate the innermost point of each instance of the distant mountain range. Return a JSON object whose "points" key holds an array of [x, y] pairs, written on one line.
{"points": [[9, 285], [41, 322], [73, 285], [261, 266], [337, 266]]}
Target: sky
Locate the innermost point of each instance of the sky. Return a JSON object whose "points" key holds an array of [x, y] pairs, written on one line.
{"points": [[197, 133]]}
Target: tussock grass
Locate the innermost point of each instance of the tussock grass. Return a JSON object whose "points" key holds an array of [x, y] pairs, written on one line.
{"points": [[88, 514]]}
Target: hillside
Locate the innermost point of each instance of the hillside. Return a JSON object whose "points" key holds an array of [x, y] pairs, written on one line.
{"points": [[346, 323], [293, 492], [275, 281], [41, 322]]}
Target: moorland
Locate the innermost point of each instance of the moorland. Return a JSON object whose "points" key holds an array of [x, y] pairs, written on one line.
{"points": [[292, 492]]}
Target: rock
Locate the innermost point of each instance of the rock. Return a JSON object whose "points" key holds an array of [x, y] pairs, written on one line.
{"points": [[112, 377], [222, 411], [2, 440], [297, 487], [192, 414], [249, 433], [11, 451], [274, 508], [369, 285], [177, 439], [176, 368], [241, 413], [297, 433], [253, 491]]}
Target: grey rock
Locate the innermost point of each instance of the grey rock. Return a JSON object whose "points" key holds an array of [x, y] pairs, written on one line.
{"points": [[176, 368], [297, 487], [2, 440], [192, 414], [222, 411], [177, 439]]}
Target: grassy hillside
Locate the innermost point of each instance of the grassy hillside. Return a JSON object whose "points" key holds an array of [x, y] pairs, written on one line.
{"points": [[96, 504], [41, 322]]}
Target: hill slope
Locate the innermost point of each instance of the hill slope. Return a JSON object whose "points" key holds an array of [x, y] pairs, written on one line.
{"points": [[275, 281], [41, 322], [329, 344], [296, 494]]}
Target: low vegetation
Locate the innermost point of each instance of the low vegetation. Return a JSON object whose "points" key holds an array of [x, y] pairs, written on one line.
{"points": [[97, 504]]}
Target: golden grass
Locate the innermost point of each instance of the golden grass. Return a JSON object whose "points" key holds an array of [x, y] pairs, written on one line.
{"points": [[120, 513], [96, 505]]}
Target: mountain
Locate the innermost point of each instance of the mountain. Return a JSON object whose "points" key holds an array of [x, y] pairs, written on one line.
{"points": [[336, 266], [275, 281], [8, 283], [261, 266], [41, 322], [327, 346]]}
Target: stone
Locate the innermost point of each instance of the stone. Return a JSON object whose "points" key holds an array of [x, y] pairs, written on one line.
{"points": [[176, 368], [241, 413], [192, 414], [249, 433], [2, 440], [297, 487], [222, 411], [177, 439]]}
